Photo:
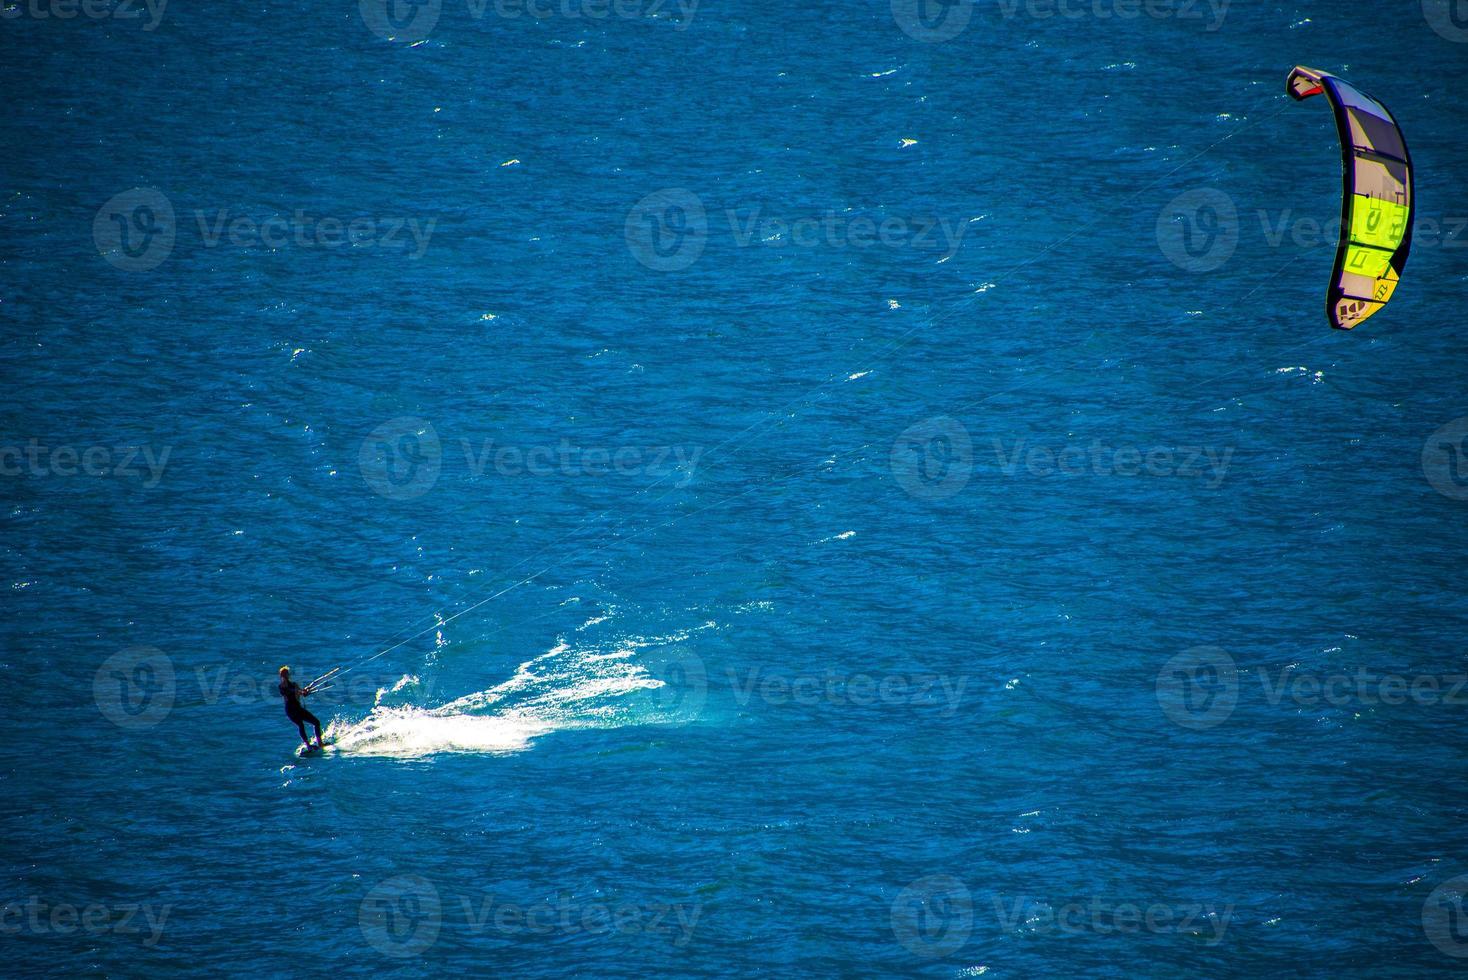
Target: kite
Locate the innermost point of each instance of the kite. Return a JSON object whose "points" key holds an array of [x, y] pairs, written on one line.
{"points": [[1378, 206]]}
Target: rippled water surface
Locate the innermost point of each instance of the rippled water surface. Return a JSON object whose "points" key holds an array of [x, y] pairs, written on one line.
{"points": [[825, 489]]}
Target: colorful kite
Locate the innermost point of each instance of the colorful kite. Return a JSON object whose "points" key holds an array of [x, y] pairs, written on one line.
{"points": [[1377, 213]]}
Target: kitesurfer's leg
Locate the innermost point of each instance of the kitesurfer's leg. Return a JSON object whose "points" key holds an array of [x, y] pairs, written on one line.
{"points": [[315, 723], [301, 727]]}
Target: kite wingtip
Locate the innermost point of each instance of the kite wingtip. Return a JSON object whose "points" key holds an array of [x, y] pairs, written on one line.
{"points": [[1304, 82]]}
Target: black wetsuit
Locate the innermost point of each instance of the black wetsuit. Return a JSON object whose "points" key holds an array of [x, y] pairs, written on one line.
{"points": [[291, 691]]}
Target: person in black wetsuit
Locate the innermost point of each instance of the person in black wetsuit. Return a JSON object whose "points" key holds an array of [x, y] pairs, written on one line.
{"points": [[293, 692]]}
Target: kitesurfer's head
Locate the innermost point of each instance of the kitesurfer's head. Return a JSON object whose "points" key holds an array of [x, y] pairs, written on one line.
{"points": [[285, 672]]}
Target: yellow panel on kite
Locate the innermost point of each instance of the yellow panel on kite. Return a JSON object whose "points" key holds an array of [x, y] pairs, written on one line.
{"points": [[1372, 263], [1385, 286], [1378, 223]]}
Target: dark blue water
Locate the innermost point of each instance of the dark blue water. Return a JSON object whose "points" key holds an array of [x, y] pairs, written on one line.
{"points": [[794, 489]]}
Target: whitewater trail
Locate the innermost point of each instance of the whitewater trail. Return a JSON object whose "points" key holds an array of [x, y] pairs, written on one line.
{"points": [[564, 689]]}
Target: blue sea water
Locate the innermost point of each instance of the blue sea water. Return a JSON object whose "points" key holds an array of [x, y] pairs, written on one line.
{"points": [[825, 489]]}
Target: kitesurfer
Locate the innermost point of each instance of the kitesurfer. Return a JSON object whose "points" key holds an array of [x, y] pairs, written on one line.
{"points": [[293, 692]]}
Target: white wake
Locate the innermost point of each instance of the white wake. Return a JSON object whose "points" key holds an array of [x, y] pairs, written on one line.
{"points": [[563, 689]]}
